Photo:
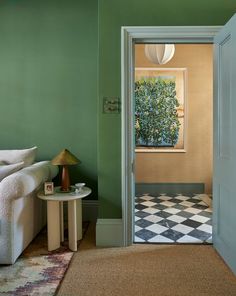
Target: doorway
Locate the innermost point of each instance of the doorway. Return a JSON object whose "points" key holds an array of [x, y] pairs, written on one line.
{"points": [[130, 37], [224, 188], [173, 104]]}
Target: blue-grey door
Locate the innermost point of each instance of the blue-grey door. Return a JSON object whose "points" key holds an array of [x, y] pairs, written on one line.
{"points": [[224, 178]]}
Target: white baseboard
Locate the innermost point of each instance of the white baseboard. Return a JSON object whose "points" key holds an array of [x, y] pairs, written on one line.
{"points": [[90, 210], [109, 233]]}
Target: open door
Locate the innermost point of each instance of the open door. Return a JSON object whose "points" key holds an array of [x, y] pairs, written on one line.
{"points": [[224, 179]]}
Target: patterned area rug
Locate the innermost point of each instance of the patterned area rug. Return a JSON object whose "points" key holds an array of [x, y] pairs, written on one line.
{"points": [[37, 272]]}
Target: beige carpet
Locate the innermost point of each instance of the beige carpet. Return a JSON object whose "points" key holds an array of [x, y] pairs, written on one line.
{"points": [[147, 270]]}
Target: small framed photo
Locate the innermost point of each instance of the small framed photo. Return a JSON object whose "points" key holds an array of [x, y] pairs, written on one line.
{"points": [[48, 188]]}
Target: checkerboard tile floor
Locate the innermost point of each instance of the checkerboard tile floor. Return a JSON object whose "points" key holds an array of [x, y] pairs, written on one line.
{"points": [[172, 219]]}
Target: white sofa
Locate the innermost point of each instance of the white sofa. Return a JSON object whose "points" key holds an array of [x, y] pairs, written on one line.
{"points": [[22, 214]]}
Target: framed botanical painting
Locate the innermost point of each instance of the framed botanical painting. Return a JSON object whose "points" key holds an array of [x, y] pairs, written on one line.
{"points": [[160, 109]]}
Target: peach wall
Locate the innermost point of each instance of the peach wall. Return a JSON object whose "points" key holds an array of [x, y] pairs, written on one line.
{"points": [[195, 165]]}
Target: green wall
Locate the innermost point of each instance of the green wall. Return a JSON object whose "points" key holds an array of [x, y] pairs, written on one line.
{"points": [[112, 15], [48, 80]]}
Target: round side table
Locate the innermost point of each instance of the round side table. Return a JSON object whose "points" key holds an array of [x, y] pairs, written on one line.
{"points": [[55, 216]]}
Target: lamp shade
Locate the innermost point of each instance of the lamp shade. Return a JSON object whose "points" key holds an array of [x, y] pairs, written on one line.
{"points": [[65, 157], [159, 53]]}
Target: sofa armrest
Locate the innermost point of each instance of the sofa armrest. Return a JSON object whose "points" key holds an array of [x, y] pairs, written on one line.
{"points": [[24, 182]]}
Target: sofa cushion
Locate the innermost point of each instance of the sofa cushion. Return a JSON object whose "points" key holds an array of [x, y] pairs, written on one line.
{"points": [[15, 156], [6, 170]]}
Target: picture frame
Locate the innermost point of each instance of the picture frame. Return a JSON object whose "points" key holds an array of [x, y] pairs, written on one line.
{"points": [[48, 188], [179, 77]]}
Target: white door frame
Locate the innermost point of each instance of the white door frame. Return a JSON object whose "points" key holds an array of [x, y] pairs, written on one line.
{"points": [[130, 36]]}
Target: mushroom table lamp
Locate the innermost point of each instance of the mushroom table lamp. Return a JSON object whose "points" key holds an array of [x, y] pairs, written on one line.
{"points": [[65, 158]]}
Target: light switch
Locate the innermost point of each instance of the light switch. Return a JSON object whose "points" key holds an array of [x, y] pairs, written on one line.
{"points": [[111, 105]]}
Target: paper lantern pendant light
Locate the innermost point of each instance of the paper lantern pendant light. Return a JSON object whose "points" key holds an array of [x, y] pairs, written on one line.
{"points": [[159, 53]]}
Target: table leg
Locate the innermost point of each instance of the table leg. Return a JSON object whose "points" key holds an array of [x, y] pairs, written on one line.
{"points": [[72, 227], [62, 221], [79, 219], [53, 218]]}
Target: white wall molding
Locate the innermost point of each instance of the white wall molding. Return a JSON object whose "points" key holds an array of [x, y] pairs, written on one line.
{"points": [[174, 34], [130, 36], [109, 233]]}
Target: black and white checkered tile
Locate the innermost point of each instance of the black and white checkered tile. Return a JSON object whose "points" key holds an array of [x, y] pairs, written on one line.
{"points": [[172, 219]]}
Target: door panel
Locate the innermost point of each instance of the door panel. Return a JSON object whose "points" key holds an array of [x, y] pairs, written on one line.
{"points": [[224, 178], [225, 210], [224, 98]]}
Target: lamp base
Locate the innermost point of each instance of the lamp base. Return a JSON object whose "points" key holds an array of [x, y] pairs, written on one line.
{"points": [[65, 179]]}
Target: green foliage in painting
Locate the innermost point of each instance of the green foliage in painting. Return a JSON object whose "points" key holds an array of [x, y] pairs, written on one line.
{"points": [[156, 117]]}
